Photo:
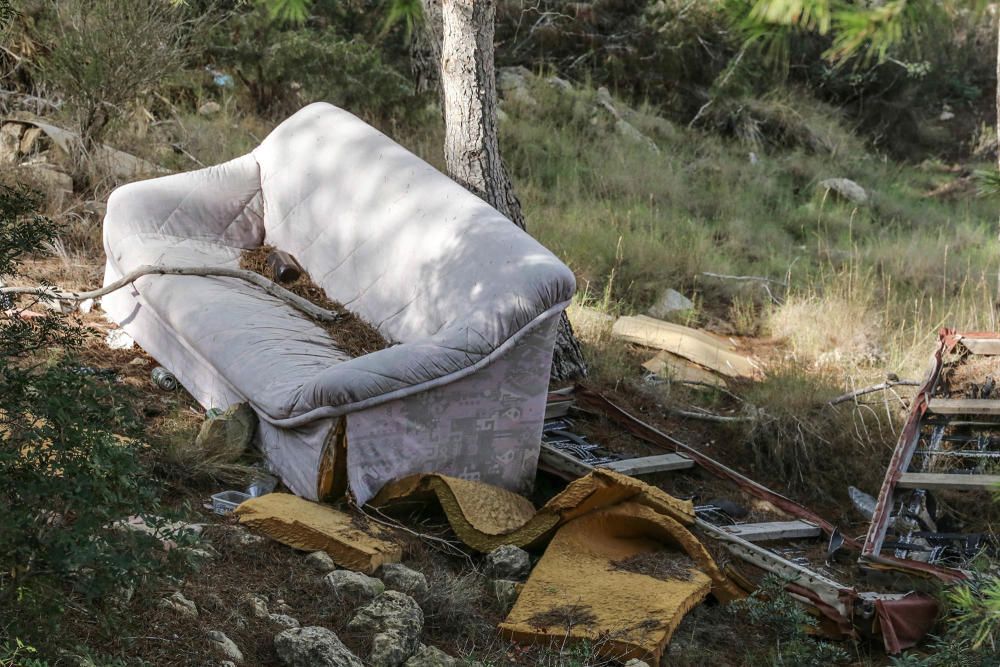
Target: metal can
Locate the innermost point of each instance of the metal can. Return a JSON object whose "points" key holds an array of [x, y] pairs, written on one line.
{"points": [[164, 379]]}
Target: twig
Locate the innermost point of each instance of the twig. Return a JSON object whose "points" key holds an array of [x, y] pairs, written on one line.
{"points": [[275, 290], [761, 279], [449, 547], [708, 416], [888, 384]]}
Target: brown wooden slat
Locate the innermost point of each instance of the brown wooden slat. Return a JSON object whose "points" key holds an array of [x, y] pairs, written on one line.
{"points": [[963, 406]]}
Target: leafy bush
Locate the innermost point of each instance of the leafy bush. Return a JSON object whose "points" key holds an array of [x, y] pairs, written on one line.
{"points": [[285, 67], [783, 627], [104, 55], [65, 477]]}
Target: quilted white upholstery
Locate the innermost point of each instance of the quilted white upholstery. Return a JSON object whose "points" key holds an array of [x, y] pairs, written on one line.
{"points": [[447, 279]]}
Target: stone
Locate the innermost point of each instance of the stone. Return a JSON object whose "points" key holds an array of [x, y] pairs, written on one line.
{"points": [[313, 647], [508, 562], [394, 621], [635, 662], [227, 663], [226, 646], [562, 85], [283, 620], [118, 339], [177, 602], [257, 606], [321, 562], [513, 84], [10, 142], [353, 586], [846, 189], [431, 656], [230, 432], [209, 109], [398, 577], [55, 184], [670, 301], [506, 592]]}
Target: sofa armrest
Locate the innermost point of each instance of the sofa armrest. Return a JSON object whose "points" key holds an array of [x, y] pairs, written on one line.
{"points": [[219, 204], [407, 368]]}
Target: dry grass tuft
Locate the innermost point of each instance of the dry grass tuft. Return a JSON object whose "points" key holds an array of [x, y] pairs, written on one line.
{"points": [[181, 458], [665, 565]]}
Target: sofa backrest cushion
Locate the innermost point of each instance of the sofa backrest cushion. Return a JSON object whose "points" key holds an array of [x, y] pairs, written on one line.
{"points": [[395, 240]]}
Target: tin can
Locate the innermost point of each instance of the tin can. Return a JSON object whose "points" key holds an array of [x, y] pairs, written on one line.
{"points": [[164, 379]]}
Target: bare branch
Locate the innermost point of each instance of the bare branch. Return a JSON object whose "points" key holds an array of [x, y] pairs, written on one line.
{"points": [[872, 389]]}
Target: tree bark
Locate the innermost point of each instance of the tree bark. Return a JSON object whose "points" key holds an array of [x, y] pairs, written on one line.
{"points": [[472, 148]]}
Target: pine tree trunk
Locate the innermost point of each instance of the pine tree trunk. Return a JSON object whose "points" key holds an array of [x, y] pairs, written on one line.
{"points": [[472, 148]]}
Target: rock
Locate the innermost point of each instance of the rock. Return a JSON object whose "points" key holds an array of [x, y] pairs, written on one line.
{"points": [[670, 301], [353, 586], [635, 662], [230, 432], [282, 607], [313, 647], [257, 606], [177, 602], [209, 109], [430, 656], [118, 339], [513, 84], [55, 184], [10, 142], [846, 189], [321, 562], [398, 577], [225, 646], [506, 592], [227, 663], [283, 620], [393, 620], [562, 85], [508, 562]]}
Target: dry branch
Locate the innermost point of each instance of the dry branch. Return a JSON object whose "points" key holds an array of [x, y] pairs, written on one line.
{"points": [[888, 384], [268, 286]]}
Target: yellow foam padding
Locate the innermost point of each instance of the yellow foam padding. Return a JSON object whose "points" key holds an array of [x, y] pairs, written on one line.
{"points": [[575, 591], [485, 516], [353, 541]]}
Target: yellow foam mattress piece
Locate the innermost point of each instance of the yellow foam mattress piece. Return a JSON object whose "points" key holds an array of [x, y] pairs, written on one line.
{"points": [[352, 541]]}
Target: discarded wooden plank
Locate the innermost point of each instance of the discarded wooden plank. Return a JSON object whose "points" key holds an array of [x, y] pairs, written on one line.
{"points": [[984, 346], [963, 406], [675, 368], [704, 349], [650, 464], [932, 481], [774, 530]]}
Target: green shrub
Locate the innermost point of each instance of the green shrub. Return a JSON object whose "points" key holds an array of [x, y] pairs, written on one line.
{"points": [[65, 477], [782, 626]]}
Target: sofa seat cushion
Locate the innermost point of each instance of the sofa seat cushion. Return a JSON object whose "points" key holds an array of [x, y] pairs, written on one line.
{"points": [[267, 350]]}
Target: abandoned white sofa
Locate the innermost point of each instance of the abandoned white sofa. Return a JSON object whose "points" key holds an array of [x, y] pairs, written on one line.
{"points": [[468, 300]]}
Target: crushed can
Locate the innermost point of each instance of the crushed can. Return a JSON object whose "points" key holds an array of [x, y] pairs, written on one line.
{"points": [[164, 379]]}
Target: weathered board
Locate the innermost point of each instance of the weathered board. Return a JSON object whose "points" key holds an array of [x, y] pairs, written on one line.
{"points": [[932, 481], [702, 348], [984, 346], [774, 530], [650, 464], [675, 368], [963, 406]]}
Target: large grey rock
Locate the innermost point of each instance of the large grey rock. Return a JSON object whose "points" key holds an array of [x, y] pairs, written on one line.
{"points": [[669, 302], [230, 432], [635, 662], [226, 646], [846, 189], [393, 620], [431, 656], [313, 647], [513, 85], [321, 562], [398, 577], [347, 585], [257, 606], [508, 562], [180, 604]]}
